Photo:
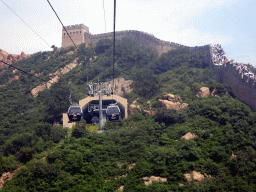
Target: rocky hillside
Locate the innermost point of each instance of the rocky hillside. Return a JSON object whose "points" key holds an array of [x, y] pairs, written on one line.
{"points": [[10, 58], [186, 132]]}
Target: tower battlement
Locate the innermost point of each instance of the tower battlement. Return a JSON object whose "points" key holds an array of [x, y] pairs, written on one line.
{"points": [[80, 34], [76, 32], [77, 26]]}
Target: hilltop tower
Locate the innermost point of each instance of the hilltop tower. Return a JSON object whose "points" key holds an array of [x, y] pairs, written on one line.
{"points": [[77, 33]]}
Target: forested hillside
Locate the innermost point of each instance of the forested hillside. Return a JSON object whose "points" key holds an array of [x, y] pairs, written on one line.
{"points": [[127, 153]]}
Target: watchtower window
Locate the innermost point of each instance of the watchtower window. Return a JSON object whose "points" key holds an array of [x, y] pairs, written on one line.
{"points": [[80, 31], [64, 34], [74, 32]]}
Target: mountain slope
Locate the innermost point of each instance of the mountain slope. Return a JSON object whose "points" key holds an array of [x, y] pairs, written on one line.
{"points": [[142, 146]]}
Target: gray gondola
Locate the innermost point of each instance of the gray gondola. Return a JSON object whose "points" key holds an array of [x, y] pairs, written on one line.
{"points": [[113, 113], [75, 113]]}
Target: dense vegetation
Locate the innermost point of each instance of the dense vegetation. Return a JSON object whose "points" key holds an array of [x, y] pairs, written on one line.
{"points": [[90, 161]]}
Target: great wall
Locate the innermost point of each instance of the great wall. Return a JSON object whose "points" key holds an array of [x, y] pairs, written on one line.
{"points": [[242, 86], [80, 34]]}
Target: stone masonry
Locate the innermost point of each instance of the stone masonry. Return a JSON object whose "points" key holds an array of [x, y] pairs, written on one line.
{"points": [[80, 34]]}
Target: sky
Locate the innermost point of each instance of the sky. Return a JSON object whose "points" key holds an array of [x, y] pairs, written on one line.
{"points": [[231, 23]]}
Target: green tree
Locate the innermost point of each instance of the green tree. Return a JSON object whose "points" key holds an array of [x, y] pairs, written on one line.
{"points": [[103, 45], [146, 84]]}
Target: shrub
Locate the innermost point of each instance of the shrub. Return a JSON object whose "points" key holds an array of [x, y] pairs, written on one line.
{"points": [[8, 164], [43, 170], [13, 145], [170, 116], [25, 154]]}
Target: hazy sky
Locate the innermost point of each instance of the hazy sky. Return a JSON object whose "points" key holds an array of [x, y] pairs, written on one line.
{"points": [[230, 23]]}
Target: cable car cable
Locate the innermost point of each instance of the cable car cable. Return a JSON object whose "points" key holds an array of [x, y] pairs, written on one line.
{"points": [[41, 80], [24, 71], [114, 43], [26, 23], [62, 24], [29, 74], [104, 17]]}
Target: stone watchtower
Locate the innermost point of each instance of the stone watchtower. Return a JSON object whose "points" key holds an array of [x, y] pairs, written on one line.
{"points": [[76, 32]]}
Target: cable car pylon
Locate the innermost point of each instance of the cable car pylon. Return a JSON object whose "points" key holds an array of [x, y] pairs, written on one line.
{"points": [[100, 88]]}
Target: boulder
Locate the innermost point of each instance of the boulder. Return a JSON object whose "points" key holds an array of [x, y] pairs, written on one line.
{"points": [[133, 108], [149, 112], [173, 105], [197, 176], [184, 106], [194, 175], [131, 166], [204, 92], [149, 180], [122, 86], [188, 136], [165, 96], [121, 188], [173, 98]]}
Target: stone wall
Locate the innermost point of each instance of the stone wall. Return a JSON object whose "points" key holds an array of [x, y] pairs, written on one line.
{"points": [[76, 32], [144, 39], [242, 86], [80, 34]]}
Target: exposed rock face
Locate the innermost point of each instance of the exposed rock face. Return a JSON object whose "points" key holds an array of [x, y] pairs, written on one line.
{"points": [[195, 176], [188, 136], [54, 77], [149, 180], [204, 92], [233, 155], [131, 166], [170, 104], [10, 58], [149, 111], [121, 188], [7, 177], [133, 108], [35, 91], [122, 86], [11, 79], [171, 97], [171, 101]]}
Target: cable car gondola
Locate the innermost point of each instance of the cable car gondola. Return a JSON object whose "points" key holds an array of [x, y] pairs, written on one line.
{"points": [[75, 113], [113, 113]]}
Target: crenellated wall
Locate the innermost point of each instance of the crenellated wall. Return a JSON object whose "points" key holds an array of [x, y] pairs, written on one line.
{"points": [[76, 32], [80, 34], [242, 86], [144, 39]]}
